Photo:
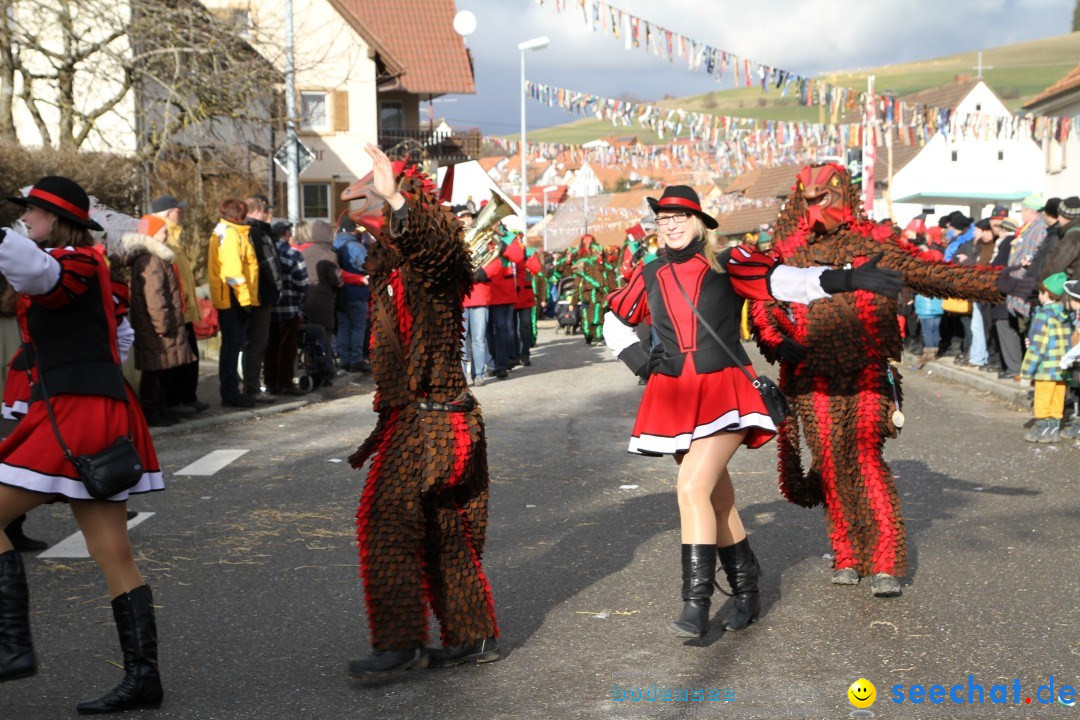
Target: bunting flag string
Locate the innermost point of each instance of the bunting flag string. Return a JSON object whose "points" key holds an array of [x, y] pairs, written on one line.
{"points": [[910, 119], [738, 144]]}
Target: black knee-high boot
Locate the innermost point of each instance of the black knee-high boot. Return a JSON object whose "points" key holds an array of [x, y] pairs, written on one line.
{"points": [[742, 569], [18, 538], [16, 649], [137, 628], [698, 571]]}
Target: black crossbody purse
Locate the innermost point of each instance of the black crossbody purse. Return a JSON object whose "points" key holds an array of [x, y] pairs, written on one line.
{"points": [[107, 473], [770, 392]]}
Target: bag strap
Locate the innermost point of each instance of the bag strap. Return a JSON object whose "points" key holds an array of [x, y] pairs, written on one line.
{"points": [[708, 327], [48, 405]]}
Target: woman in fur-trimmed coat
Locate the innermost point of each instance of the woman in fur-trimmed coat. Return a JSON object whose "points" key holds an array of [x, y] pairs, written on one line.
{"points": [[157, 315]]}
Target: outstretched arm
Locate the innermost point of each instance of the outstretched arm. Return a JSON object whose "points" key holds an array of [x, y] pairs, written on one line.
{"points": [[928, 276], [758, 276]]}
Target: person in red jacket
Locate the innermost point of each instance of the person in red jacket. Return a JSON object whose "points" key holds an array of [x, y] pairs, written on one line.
{"points": [[525, 307], [500, 330], [476, 304]]}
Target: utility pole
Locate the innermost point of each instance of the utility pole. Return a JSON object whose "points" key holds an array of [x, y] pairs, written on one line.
{"points": [[291, 140]]}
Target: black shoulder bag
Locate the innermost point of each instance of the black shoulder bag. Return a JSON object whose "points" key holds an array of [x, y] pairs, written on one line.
{"points": [[774, 399], [107, 473]]}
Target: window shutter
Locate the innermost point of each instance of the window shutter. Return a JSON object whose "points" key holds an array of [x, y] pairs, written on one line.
{"points": [[341, 110]]}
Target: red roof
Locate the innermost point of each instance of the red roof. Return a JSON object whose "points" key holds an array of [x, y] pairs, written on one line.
{"points": [[535, 195], [1071, 81], [419, 37]]}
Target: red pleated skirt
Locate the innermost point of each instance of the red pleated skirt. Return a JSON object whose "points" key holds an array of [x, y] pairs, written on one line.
{"points": [[31, 458], [675, 411]]}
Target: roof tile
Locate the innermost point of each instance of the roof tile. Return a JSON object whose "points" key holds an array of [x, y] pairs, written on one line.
{"points": [[420, 35]]}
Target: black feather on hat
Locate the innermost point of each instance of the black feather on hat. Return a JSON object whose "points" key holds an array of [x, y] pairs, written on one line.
{"points": [[682, 198], [62, 197]]}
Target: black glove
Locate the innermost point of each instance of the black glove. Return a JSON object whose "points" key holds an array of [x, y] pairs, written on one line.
{"points": [[790, 351], [1020, 287], [865, 277], [639, 253]]}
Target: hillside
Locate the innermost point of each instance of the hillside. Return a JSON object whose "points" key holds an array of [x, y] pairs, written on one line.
{"points": [[1016, 72]]}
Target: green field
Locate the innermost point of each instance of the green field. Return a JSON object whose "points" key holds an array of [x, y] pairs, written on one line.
{"points": [[1016, 72]]}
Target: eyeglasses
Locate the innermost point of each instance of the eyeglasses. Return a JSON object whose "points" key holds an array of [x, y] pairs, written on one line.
{"points": [[678, 219]]}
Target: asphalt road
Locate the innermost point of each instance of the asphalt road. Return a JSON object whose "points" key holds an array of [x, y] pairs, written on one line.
{"points": [[254, 570]]}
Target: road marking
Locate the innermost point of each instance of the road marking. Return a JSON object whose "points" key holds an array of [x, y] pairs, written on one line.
{"points": [[211, 462], [75, 545]]}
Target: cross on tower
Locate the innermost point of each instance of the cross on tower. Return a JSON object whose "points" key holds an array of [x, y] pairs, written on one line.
{"points": [[979, 67]]}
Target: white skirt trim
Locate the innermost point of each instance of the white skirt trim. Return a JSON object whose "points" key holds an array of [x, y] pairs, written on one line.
{"points": [[730, 421], [72, 489], [14, 412]]}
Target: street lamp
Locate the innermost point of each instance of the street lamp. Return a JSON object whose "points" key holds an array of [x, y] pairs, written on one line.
{"points": [[549, 188], [537, 43]]}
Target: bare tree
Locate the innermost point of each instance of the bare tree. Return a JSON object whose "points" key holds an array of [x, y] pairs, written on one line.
{"points": [[168, 68]]}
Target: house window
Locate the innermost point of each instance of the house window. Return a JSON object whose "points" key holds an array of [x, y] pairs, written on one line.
{"points": [[313, 111], [391, 116], [954, 156], [1001, 154], [316, 198], [978, 107]]}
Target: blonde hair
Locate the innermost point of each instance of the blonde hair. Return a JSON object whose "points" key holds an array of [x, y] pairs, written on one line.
{"points": [[711, 240], [302, 233]]}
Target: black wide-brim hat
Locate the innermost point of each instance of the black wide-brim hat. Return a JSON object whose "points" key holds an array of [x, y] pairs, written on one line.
{"points": [[682, 198], [62, 197]]}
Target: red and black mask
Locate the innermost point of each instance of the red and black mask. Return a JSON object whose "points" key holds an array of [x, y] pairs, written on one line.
{"points": [[822, 189]]}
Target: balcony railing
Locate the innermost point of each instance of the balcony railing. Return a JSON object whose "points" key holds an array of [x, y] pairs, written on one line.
{"points": [[444, 147]]}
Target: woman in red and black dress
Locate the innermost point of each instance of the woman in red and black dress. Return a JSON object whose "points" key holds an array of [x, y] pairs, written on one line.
{"points": [[698, 405], [72, 324]]}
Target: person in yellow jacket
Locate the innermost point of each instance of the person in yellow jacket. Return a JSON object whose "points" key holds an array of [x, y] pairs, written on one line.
{"points": [[181, 386], [234, 289]]}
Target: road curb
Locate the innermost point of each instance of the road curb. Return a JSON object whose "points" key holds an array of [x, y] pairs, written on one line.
{"points": [[1011, 393], [232, 417]]}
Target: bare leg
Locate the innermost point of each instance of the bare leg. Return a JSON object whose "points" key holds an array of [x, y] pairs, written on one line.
{"points": [[13, 503], [104, 524], [700, 471], [729, 527]]}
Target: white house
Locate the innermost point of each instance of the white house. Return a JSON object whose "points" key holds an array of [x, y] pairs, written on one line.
{"points": [[362, 69], [585, 182], [962, 172], [1061, 160]]}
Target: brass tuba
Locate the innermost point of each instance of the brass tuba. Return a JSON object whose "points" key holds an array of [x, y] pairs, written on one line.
{"points": [[479, 236]]}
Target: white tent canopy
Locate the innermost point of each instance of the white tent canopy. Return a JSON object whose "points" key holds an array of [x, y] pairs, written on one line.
{"points": [[470, 180]]}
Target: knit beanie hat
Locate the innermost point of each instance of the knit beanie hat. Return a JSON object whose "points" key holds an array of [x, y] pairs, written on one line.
{"points": [[1055, 283]]}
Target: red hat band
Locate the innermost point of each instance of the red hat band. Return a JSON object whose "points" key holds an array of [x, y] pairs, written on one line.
{"points": [[677, 203], [60, 203]]}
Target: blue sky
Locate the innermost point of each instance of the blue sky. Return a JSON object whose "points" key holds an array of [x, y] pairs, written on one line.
{"points": [[804, 36]]}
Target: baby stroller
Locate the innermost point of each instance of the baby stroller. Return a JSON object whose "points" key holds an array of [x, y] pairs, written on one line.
{"points": [[569, 318], [313, 364]]}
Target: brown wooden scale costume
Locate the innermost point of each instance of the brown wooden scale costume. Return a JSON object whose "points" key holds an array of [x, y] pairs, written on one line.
{"points": [[422, 517], [834, 357]]}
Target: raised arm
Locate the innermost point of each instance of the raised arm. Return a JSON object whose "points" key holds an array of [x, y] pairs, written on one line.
{"points": [[428, 237]]}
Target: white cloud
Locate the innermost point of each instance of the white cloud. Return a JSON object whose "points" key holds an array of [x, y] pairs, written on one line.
{"points": [[804, 36]]}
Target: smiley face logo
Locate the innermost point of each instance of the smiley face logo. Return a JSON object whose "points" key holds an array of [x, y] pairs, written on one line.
{"points": [[862, 693]]}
